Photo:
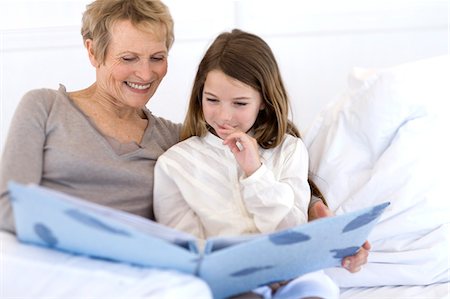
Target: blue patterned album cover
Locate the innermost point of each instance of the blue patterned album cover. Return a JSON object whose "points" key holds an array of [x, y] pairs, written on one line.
{"points": [[229, 265]]}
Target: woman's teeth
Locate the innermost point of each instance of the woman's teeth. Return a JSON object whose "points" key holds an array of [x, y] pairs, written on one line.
{"points": [[138, 86]]}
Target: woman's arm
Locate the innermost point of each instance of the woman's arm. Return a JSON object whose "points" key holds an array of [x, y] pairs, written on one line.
{"points": [[22, 158]]}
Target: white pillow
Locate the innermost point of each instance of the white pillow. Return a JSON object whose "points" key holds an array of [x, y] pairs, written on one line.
{"points": [[384, 140]]}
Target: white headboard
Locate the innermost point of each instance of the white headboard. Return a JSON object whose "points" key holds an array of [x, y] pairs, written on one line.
{"points": [[316, 44]]}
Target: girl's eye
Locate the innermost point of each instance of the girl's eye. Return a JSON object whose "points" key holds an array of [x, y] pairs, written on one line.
{"points": [[241, 104], [212, 100]]}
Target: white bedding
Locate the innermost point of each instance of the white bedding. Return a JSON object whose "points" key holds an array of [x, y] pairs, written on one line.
{"points": [[33, 272], [433, 291], [28, 271], [384, 140]]}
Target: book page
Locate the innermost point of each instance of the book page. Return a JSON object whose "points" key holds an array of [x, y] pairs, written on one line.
{"points": [[63, 222], [287, 254]]}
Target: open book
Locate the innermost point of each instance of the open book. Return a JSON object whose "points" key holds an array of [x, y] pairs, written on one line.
{"points": [[229, 265]]}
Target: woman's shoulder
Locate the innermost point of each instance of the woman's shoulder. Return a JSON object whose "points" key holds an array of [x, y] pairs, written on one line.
{"points": [[162, 131], [42, 99], [44, 95], [47, 92], [164, 123]]}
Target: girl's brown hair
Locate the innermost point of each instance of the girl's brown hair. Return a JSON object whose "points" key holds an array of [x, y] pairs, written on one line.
{"points": [[248, 59]]}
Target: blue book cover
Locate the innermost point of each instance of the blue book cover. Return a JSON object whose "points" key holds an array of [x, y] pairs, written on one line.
{"points": [[230, 265]]}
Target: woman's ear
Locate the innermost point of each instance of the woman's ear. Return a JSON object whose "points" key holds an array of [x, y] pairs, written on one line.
{"points": [[89, 44]]}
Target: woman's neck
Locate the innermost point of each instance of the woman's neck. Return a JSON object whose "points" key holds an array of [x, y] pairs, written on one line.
{"points": [[96, 100], [125, 124]]}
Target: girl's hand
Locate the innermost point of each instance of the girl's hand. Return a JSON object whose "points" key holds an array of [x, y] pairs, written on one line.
{"points": [[244, 149]]}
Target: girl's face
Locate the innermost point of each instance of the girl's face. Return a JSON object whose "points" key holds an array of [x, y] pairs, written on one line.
{"points": [[228, 102], [135, 64]]}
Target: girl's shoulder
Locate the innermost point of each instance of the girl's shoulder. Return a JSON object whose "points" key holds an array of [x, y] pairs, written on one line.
{"points": [[290, 141], [188, 145], [187, 149], [290, 145]]}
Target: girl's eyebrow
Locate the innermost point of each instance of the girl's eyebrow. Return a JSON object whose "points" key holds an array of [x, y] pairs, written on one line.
{"points": [[209, 94], [237, 98]]}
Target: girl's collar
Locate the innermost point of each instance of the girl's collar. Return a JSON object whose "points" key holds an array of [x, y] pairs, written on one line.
{"points": [[217, 141], [214, 140]]}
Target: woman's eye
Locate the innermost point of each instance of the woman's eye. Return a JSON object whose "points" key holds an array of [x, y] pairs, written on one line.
{"points": [[212, 100], [128, 58], [240, 104], [158, 58]]}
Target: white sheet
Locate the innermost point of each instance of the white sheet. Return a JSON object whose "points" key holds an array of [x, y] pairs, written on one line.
{"points": [[433, 291], [33, 272]]}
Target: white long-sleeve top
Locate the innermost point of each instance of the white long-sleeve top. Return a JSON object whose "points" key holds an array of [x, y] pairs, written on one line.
{"points": [[200, 189]]}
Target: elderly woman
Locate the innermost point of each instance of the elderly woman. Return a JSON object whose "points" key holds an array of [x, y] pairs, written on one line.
{"points": [[101, 143]]}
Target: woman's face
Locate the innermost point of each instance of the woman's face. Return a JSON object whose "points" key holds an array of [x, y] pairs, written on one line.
{"points": [[135, 64], [229, 102]]}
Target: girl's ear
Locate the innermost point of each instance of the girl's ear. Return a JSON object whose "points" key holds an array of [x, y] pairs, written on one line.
{"points": [[262, 106], [89, 44]]}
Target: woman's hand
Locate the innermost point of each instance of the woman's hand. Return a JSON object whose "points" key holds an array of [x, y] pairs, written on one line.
{"points": [[351, 263], [244, 149], [355, 262]]}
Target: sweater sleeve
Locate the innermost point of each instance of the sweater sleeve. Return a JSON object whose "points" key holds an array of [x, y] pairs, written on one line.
{"points": [[279, 201], [22, 157]]}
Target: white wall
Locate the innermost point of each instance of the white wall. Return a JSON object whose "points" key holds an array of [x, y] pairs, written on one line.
{"points": [[316, 44]]}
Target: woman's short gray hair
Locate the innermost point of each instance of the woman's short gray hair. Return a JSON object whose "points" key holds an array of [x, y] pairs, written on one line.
{"points": [[101, 15]]}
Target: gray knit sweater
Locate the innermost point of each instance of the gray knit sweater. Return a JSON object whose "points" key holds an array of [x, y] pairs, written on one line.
{"points": [[52, 143]]}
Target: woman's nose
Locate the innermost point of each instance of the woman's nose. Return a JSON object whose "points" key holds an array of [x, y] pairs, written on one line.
{"points": [[144, 70]]}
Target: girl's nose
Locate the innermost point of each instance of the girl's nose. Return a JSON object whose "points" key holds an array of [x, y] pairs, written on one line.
{"points": [[225, 113]]}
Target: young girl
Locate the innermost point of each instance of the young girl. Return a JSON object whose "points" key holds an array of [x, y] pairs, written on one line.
{"points": [[242, 167]]}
